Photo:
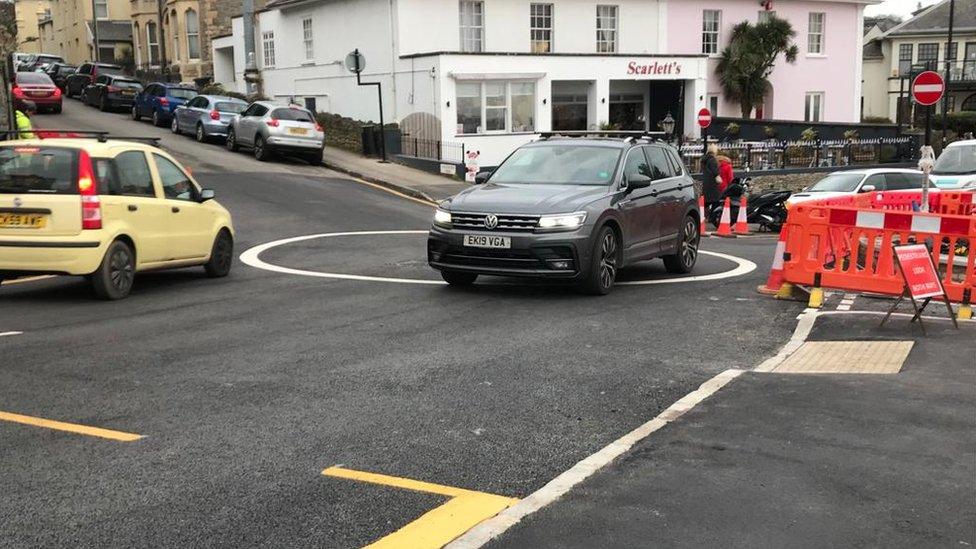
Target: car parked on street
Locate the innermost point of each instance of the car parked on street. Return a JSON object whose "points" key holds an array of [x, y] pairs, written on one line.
{"points": [[38, 88], [207, 116], [37, 62], [267, 128], [851, 182], [110, 92], [571, 208], [86, 74], [106, 210], [956, 166], [59, 72], [159, 100]]}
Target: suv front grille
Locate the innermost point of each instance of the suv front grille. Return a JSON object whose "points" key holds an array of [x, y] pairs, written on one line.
{"points": [[506, 222]]}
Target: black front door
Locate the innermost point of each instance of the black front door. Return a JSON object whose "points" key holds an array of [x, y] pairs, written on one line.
{"points": [[667, 96]]}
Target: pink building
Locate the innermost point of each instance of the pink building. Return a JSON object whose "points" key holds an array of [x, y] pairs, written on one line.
{"points": [[825, 82]]}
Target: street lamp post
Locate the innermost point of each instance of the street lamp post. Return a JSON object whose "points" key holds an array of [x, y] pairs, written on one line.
{"points": [[948, 72], [668, 126]]}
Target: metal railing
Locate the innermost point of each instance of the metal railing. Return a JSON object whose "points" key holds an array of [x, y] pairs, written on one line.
{"points": [[963, 71], [779, 155], [432, 149]]}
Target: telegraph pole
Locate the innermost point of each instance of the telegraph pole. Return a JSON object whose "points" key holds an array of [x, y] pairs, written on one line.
{"points": [[948, 73]]}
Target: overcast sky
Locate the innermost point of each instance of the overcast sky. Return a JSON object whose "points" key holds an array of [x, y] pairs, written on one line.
{"points": [[904, 8]]}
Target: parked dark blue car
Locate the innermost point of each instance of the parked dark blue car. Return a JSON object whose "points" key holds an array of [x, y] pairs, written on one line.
{"points": [[159, 100]]}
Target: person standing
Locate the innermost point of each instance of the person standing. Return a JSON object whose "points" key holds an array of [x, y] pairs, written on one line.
{"points": [[23, 120], [710, 177], [725, 172]]}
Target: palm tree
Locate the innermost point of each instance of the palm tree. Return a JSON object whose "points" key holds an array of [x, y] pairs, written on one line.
{"points": [[745, 64]]}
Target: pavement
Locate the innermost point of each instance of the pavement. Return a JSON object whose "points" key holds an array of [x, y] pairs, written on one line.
{"points": [[331, 392], [405, 179]]}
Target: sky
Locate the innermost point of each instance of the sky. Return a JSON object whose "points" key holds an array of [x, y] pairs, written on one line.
{"points": [[903, 8]]}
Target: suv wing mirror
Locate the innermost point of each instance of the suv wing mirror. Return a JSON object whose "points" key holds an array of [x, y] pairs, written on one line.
{"points": [[482, 177], [637, 181]]}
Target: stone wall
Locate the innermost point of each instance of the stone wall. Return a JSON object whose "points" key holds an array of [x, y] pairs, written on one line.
{"points": [[792, 182], [216, 21]]}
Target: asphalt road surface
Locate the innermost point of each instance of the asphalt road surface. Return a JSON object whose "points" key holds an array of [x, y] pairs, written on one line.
{"points": [[246, 388]]}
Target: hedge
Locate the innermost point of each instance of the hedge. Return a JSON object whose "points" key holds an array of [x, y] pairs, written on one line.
{"points": [[958, 122]]}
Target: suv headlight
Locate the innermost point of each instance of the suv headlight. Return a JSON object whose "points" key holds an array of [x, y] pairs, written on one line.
{"points": [[442, 218], [562, 221]]}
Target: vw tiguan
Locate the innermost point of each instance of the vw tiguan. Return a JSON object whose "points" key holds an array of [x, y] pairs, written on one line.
{"points": [[572, 208]]}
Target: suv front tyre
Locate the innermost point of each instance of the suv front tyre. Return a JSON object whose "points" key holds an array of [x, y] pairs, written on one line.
{"points": [[604, 263]]}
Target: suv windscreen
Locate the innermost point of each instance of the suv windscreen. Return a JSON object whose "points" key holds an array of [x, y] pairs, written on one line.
{"points": [[959, 160], [837, 182], [559, 164], [30, 169], [182, 93]]}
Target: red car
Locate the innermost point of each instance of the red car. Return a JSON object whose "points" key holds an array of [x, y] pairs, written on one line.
{"points": [[36, 87]]}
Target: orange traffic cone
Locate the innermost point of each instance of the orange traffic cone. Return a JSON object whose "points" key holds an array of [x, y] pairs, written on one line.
{"points": [[725, 223], [775, 280], [702, 229], [742, 220]]}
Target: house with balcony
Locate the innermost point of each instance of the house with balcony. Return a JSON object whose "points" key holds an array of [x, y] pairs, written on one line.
{"points": [[921, 43]]}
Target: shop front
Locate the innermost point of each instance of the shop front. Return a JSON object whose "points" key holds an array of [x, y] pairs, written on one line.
{"points": [[492, 103]]}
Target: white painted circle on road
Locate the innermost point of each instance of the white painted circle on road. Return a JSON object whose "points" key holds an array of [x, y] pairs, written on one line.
{"points": [[252, 257]]}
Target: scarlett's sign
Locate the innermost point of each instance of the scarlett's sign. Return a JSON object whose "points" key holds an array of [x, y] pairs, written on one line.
{"points": [[655, 67]]}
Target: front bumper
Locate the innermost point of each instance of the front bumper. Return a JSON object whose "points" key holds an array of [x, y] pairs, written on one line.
{"points": [[532, 255]]}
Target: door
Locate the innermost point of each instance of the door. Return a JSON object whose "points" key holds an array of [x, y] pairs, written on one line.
{"points": [[250, 122], [191, 223], [129, 196], [192, 112], [143, 99], [638, 209], [670, 197]]}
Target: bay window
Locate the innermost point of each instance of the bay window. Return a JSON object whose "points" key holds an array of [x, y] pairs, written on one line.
{"points": [[495, 107]]}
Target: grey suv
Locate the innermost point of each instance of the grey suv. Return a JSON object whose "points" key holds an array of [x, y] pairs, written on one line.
{"points": [[574, 208]]}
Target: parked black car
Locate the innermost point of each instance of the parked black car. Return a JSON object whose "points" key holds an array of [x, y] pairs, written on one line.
{"points": [[111, 92], [86, 74], [59, 73], [39, 61], [573, 208]]}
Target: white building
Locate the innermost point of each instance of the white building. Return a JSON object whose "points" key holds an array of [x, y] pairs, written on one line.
{"points": [[488, 74]]}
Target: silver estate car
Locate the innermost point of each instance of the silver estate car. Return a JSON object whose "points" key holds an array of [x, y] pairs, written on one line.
{"points": [[267, 128], [207, 116]]}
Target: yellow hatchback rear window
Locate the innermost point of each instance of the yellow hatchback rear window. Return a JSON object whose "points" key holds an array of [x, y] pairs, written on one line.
{"points": [[38, 169]]}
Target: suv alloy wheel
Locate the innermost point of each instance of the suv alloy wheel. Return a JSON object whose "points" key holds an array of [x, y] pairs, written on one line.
{"points": [[604, 261], [686, 253]]}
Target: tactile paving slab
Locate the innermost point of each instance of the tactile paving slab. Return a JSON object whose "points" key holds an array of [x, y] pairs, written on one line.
{"points": [[847, 357]]}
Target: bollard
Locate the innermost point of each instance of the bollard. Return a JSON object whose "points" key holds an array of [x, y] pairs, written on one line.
{"points": [[816, 294], [966, 309]]}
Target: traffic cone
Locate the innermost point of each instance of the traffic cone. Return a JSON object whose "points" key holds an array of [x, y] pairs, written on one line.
{"points": [[742, 220], [702, 229], [725, 223], [775, 280]]}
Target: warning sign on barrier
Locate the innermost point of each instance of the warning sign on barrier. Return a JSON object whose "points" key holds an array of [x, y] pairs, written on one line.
{"points": [[921, 279]]}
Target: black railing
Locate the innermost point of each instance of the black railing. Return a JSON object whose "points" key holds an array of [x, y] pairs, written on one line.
{"points": [[963, 71], [779, 155], [432, 149]]}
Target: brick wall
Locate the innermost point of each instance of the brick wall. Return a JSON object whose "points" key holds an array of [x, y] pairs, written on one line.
{"points": [[216, 21]]}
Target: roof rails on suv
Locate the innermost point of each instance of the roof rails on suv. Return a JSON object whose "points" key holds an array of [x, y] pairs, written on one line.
{"points": [[626, 135]]}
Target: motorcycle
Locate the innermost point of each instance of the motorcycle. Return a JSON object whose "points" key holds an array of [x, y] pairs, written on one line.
{"points": [[767, 209]]}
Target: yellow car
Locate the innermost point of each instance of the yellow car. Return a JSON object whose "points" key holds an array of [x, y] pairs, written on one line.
{"points": [[106, 210]]}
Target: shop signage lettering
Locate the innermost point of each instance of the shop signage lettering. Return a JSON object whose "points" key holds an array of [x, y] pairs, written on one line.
{"points": [[657, 67]]}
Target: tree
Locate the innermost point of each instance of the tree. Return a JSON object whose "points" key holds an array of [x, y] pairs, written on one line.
{"points": [[745, 64]]}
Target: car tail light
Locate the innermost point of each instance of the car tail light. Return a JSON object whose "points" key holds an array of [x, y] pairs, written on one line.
{"points": [[57, 92], [163, 102], [214, 115], [273, 122], [112, 89], [318, 127], [17, 91], [91, 205]]}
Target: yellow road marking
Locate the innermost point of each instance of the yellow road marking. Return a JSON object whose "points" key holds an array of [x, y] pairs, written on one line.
{"points": [[70, 427], [438, 527], [27, 279], [391, 191]]}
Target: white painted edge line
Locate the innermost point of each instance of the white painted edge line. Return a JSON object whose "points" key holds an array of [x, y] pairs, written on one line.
{"points": [[252, 258], [804, 326], [559, 486], [2, 334]]}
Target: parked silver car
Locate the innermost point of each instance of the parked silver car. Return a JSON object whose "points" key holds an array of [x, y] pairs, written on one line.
{"points": [[267, 128], [207, 116]]}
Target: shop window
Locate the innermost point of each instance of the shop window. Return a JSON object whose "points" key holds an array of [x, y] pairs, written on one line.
{"points": [[472, 25], [268, 46], [569, 112], [494, 106], [627, 111], [606, 29], [192, 34], [815, 33], [905, 54], [814, 107], [711, 22], [540, 29]]}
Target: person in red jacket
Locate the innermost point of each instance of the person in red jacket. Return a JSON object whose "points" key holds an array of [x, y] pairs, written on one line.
{"points": [[725, 172]]}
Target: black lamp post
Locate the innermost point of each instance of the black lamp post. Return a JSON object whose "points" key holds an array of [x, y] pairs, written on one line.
{"points": [[668, 126]]}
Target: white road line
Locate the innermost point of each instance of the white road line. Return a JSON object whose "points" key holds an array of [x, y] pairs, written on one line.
{"points": [[847, 302], [252, 257], [2, 334], [559, 486]]}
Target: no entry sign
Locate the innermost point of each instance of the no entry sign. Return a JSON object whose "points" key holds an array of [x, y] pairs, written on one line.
{"points": [[704, 118], [928, 88]]}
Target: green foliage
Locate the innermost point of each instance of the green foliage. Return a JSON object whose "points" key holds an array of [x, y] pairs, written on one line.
{"points": [[745, 64], [732, 129], [851, 134], [214, 88], [876, 120], [769, 131], [809, 134], [609, 126], [127, 60], [343, 132], [958, 122]]}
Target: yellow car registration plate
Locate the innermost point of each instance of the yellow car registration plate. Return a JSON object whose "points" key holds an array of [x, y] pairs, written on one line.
{"points": [[297, 131], [22, 221]]}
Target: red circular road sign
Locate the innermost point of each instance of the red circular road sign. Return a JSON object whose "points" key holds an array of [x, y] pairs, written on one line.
{"points": [[704, 118], [928, 88]]}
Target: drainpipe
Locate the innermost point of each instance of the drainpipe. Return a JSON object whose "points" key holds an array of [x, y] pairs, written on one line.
{"points": [[250, 65], [393, 57], [94, 32]]}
